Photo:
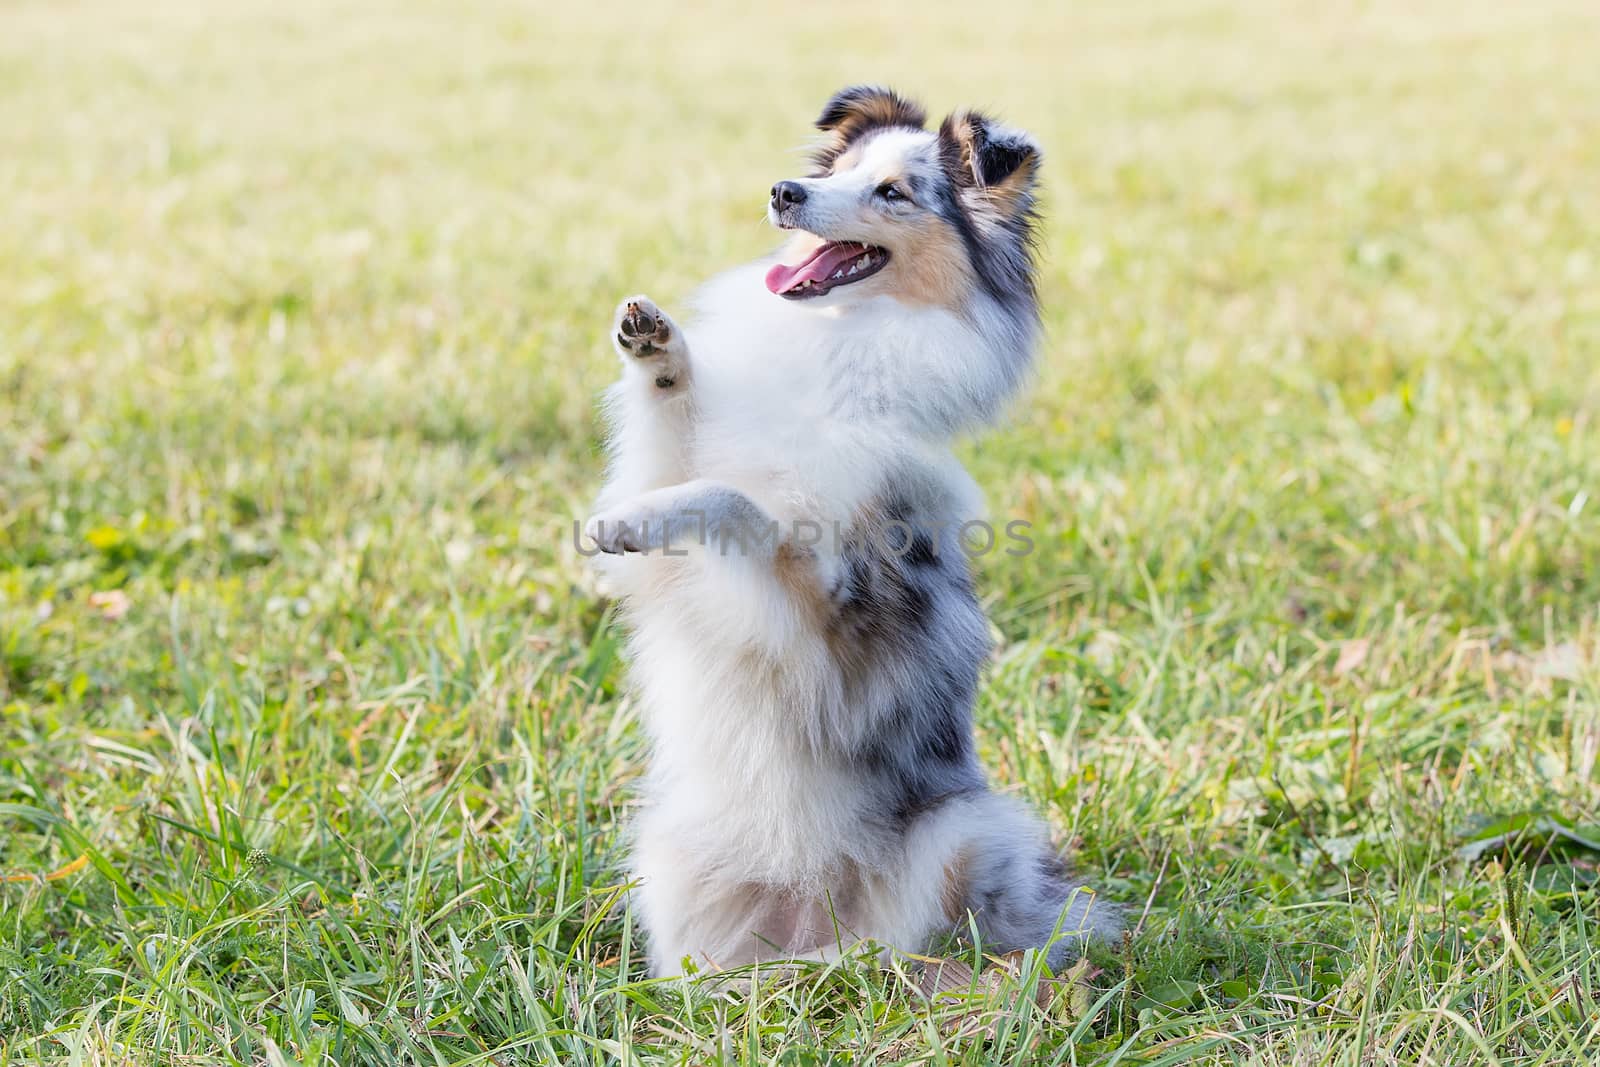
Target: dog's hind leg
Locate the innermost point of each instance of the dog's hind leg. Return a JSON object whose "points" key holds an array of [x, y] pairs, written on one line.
{"points": [[650, 407]]}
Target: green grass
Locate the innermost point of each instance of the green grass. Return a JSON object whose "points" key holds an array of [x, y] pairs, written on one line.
{"points": [[300, 332]]}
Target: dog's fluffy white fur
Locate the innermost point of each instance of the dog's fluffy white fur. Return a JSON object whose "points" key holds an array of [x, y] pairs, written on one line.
{"points": [[780, 524]]}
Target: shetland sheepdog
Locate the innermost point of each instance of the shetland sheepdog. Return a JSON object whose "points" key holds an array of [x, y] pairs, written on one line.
{"points": [[781, 523]]}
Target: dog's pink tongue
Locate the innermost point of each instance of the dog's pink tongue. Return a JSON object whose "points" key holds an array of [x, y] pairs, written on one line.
{"points": [[814, 268]]}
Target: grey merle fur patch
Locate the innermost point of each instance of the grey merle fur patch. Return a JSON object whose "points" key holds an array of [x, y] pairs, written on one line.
{"points": [[910, 634]]}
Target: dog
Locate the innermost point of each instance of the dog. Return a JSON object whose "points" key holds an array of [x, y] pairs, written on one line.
{"points": [[781, 525]]}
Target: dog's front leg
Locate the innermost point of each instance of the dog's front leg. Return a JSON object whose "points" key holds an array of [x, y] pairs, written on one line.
{"points": [[650, 407], [756, 576], [692, 516]]}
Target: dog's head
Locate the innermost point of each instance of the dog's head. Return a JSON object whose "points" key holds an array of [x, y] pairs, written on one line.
{"points": [[893, 208]]}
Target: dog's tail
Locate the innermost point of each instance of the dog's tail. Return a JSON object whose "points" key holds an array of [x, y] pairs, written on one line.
{"points": [[1022, 895]]}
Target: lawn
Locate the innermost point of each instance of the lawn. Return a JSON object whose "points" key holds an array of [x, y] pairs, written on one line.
{"points": [[315, 746]]}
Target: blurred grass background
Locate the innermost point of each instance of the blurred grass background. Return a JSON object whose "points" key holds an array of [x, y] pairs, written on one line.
{"points": [[312, 741]]}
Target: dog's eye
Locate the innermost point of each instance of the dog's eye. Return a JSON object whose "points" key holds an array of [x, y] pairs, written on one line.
{"points": [[891, 192]]}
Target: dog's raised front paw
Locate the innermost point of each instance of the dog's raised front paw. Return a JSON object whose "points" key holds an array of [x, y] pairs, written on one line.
{"points": [[642, 329], [646, 337]]}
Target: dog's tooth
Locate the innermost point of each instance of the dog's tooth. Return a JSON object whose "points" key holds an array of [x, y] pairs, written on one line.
{"points": [[854, 269], [864, 261]]}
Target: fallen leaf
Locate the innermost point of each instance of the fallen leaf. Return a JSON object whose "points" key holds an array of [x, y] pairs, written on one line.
{"points": [[53, 876], [112, 604], [966, 998], [1351, 656], [944, 976]]}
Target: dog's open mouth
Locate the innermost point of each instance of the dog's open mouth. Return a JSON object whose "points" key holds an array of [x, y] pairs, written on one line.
{"points": [[834, 264]]}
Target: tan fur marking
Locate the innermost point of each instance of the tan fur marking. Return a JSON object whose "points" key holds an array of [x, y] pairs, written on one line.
{"points": [[876, 108], [930, 266], [1010, 195], [953, 893], [880, 111], [796, 569], [961, 128]]}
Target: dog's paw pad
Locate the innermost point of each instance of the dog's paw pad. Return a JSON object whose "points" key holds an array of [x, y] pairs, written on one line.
{"points": [[642, 328]]}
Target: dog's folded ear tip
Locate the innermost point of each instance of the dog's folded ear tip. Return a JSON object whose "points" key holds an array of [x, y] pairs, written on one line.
{"points": [[869, 104], [984, 151]]}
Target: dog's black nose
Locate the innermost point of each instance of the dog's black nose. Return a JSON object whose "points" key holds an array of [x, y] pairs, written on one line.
{"points": [[787, 194]]}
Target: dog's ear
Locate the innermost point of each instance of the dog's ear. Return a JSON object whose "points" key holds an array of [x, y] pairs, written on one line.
{"points": [[994, 162], [860, 108]]}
